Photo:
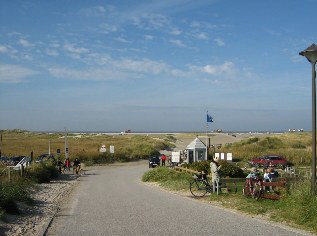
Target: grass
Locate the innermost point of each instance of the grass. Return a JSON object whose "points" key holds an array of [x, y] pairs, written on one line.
{"points": [[296, 147], [85, 146], [296, 207], [18, 189]]}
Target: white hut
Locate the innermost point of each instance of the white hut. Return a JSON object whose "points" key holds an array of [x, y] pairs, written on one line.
{"points": [[196, 151]]}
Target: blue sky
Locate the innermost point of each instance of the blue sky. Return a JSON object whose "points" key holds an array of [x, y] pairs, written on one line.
{"points": [[155, 65]]}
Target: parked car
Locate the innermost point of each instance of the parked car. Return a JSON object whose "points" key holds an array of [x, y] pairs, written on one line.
{"points": [[154, 162], [4, 160], [269, 160], [44, 156], [15, 160]]}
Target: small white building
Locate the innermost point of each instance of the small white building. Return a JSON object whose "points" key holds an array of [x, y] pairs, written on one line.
{"points": [[196, 151]]}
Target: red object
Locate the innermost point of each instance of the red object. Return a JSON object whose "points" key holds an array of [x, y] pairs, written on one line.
{"points": [[269, 160]]}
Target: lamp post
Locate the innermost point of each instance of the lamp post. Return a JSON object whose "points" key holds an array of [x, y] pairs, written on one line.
{"points": [[311, 54]]}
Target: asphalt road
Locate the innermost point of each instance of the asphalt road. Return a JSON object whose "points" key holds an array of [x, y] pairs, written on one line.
{"points": [[112, 200]]}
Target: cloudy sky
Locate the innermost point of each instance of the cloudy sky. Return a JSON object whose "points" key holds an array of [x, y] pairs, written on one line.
{"points": [[155, 65]]}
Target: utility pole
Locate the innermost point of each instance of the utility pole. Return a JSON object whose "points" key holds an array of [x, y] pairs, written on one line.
{"points": [[66, 145]]}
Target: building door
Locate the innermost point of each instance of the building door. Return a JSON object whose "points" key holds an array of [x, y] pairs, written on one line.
{"points": [[190, 156]]}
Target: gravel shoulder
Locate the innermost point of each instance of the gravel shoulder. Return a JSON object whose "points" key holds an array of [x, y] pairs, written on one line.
{"points": [[35, 219]]}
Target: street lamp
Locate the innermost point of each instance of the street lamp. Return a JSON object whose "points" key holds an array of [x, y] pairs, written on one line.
{"points": [[311, 54]]}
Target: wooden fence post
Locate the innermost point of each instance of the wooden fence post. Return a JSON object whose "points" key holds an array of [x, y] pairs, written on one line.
{"points": [[9, 173]]}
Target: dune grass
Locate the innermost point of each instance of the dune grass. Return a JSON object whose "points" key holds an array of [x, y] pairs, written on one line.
{"points": [[296, 147]]}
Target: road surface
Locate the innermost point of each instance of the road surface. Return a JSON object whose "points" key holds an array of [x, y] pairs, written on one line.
{"points": [[112, 200]]}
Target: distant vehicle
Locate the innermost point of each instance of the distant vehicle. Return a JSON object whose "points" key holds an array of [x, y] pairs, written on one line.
{"points": [[126, 132], [4, 160], [15, 160], [44, 156], [154, 162], [269, 160]]}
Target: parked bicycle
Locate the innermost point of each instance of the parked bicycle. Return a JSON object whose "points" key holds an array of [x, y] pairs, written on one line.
{"points": [[253, 187], [200, 185]]}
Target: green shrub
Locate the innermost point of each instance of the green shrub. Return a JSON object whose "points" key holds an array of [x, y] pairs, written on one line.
{"points": [[10, 193], [303, 205], [231, 170], [199, 166], [168, 178], [42, 172]]}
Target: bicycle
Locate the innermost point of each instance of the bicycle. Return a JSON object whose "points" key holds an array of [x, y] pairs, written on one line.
{"points": [[253, 187], [200, 185]]}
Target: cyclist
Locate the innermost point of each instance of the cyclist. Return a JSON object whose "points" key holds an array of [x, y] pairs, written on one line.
{"points": [[76, 166]]}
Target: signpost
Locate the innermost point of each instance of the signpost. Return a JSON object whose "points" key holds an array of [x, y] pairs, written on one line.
{"points": [[111, 149], [103, 148]]}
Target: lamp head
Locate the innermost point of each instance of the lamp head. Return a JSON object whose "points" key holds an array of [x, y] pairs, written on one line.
{"points": [[310, 53]]}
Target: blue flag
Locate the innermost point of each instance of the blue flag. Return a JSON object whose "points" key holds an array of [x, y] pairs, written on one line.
{"points": [[209, 118]]}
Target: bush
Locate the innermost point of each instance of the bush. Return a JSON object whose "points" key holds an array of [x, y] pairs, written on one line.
{"points": [[231, 170], [304, 205], [10, 193], [227, 168], [199, 166], [168, 178], [42, 172]]}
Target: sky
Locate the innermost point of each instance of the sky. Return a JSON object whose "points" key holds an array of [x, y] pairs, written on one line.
{"points": [[149, 65]]}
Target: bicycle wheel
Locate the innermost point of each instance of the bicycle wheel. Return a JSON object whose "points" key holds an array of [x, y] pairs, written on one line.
{"points": [[198, 188], [257, 191]]}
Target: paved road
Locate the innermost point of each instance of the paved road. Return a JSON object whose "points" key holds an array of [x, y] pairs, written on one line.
{"points": [[113, 201]]}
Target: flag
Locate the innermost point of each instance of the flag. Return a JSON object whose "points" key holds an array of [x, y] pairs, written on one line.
{"points": [[209, 118]]}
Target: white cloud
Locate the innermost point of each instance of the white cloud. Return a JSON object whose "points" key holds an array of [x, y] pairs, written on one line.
{"points": [[122, 40], [150, 21], [13, 73], [149, 37], [77, 50], [145, 66], [3, 49], [202, 36], [226, 68], [177, 42], [219, 42], [176, 32], [51, 52], [116, 69], [25, 43], [97, 10], [96, 74], [107, 28]]}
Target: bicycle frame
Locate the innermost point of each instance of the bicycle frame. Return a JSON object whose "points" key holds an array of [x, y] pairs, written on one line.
{"points": [[253, 187]]}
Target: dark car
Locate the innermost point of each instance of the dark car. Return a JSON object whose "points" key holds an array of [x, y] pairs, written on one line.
{"points": [[44, 156], [269, 160], [154, 162], [15, 160]]}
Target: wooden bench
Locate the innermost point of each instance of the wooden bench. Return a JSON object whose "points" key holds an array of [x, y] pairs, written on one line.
{"points": [[281, 183]]}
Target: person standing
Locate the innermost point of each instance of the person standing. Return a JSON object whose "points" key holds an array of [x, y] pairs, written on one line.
{"points": [[215, 175], [67, 164], [163, 157]]}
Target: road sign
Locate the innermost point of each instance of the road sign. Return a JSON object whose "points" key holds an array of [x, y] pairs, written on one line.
{"points": [[111, 149]]}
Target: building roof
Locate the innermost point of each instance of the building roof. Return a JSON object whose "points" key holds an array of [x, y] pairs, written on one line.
{"points": [[196, 144]]}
